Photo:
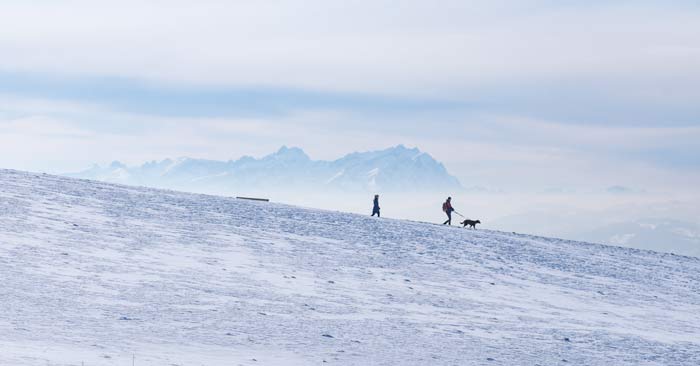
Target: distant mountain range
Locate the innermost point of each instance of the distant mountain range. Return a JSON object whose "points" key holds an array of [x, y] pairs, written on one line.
{"points": [[397, 169], [653, 234], [661, 234]]}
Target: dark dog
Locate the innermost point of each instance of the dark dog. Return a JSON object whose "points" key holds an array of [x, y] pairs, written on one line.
{"points": [[471, 223]]}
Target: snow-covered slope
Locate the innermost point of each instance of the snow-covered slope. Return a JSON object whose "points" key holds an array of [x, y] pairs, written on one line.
{"points": [[110, 275], [397, 169]]}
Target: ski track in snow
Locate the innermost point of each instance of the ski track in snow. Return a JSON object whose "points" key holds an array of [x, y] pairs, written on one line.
{"points": [[100, 273]]}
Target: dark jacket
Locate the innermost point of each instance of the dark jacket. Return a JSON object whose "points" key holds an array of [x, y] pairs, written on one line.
{"points": [[447, 207]]}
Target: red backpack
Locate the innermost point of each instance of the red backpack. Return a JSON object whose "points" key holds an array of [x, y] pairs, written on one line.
{"points": [[444, 206]]}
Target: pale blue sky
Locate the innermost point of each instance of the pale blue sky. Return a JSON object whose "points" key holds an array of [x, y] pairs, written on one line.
{"points": [[557, 94]]}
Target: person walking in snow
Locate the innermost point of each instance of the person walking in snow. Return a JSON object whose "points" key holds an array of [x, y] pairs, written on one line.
{"points": [[447, 208], [375, 209]]}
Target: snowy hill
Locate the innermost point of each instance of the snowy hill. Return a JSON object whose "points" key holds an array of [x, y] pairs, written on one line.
{"points": [[396, 169], [100, 273]]}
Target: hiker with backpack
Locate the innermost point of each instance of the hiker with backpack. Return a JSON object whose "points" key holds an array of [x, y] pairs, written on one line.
{"points": [[448, 209], [375, 209]]}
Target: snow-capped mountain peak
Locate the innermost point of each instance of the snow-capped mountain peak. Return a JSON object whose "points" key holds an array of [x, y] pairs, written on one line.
{"points": [[394, 169], [116, 165], [289, 154]]}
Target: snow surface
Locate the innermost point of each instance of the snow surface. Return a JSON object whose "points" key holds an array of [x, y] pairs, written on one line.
{"points": [[104, 274]]}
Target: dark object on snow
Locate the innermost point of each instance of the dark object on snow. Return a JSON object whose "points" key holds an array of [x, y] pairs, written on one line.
{"points": [[470, 223], [375, 208], [567, 340], [327, 336], [254, 199], [447, 208]]}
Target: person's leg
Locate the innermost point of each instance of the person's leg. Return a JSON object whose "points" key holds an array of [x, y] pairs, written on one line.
{"points": [[449, 219]]}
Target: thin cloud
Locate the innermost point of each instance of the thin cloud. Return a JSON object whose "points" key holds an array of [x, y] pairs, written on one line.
{"points": [[364, 46]]}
